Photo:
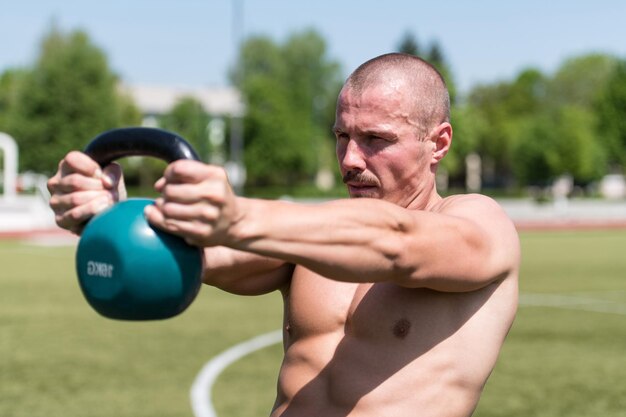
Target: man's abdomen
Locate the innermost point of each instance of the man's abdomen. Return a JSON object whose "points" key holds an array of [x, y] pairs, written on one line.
{"points": [[363, 381]]}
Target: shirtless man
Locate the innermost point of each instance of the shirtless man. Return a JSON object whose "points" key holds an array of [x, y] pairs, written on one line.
{"points": [[397, 300]]}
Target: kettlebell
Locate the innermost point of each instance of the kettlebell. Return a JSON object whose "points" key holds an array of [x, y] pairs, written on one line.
{"points": [[127, 269]]}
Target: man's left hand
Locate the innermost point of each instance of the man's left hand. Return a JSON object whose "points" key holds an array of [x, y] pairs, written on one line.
{"points": [[196, 203]]}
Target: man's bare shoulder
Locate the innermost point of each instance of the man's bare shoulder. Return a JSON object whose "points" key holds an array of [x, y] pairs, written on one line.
{"points": [[465, 202], [489, 216], [478, 207]]}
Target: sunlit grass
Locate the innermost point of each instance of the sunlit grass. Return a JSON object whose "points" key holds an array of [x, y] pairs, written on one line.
{"points": [[60, 359]]}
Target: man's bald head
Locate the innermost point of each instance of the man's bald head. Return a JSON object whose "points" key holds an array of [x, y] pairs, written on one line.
{"points": [[421, 80]]}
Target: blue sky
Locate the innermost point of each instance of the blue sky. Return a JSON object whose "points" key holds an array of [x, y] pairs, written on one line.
{"points": [[192, 42]]}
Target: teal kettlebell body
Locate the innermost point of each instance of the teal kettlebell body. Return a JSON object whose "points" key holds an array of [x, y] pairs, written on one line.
{"points": [[128, 269], [131, 271]]}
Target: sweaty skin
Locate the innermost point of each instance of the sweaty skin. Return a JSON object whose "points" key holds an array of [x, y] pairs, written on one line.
{"points": [[397, 301]]}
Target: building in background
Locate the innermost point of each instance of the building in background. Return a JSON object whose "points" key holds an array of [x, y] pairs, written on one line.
{"points": [[220, 103], [155, 101]]}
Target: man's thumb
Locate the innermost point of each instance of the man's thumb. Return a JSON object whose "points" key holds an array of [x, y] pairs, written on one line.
{"points": [[111, 175]]}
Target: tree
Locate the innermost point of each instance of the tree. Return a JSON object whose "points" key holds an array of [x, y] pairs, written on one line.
{"points": [[611, 110], [534, 151], [467, 127], [527, 94], [290, 90], [409, 45], [10, 82], [580, 80], [189, 119], [499, 112], [565, 119], [67, 98], [559, 142], [488, 104]]}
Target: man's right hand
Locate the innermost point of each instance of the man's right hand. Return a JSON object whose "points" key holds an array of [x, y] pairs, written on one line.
{"points": [[80, 189]]}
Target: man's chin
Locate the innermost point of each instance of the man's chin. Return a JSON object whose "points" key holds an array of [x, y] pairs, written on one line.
{"points": [[364, 192]]}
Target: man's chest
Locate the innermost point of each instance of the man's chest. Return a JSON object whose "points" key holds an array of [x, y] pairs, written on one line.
{"points": [[316, 305]]}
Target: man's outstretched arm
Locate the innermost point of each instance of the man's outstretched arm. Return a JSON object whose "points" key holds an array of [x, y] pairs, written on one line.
{"points": [[465, 245]]}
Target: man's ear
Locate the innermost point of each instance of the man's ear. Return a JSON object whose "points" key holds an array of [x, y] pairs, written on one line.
{"points": [[441, 137]]}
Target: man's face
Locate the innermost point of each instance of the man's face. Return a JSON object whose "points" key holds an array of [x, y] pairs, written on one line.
{"points": [[379, 152]]}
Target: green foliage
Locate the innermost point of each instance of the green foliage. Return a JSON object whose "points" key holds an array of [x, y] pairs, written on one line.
{"points": [[528, 130], [189, 119], [537, 127], [10, 82], [408, 44], [67, 98], [490, 105], [557, 143], [290, 90], [611, 109], [581, 152], [527, 94], [580, 80], [533, 151], [467, 126]]}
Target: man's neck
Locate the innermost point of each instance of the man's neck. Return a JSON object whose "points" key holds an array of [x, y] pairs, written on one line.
{"points": [[425, 199]]}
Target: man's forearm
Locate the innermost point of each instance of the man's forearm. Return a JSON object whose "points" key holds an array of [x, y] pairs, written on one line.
{"points": [[348, 240]]}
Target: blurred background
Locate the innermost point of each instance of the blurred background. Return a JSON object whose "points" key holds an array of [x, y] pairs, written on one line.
{"points": [[538, 89], [539, 114]]}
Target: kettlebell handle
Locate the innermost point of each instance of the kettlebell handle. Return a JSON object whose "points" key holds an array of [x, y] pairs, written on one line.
{"points": [[139, 141]]}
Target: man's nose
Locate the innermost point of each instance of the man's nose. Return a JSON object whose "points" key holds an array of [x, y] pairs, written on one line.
{"points": [[352, 156]]}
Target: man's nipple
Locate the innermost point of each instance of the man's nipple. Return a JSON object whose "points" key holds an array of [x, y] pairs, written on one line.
{"points": [[401, 328]]}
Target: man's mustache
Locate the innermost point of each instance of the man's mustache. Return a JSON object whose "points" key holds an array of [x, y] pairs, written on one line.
{"points": [[361, 178]]}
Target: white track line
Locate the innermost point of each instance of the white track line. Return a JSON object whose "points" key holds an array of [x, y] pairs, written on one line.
{"points": [[203, 384]]}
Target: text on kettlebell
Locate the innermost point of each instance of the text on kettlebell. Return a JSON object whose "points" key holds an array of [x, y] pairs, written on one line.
{"points": [[99, 269]]}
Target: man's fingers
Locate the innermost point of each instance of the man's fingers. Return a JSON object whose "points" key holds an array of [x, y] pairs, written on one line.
{"points": [[193, 197], [79, 163], [181, 193], [154, 216], [191, 172], [75, 217], [64, 202], [160, 184], [74, 182], [81, 189], [184, 225], [187, 212], [157, 218], [212, 191]]}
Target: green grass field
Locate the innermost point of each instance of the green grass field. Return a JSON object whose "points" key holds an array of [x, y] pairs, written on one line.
{"points": [[565, 356]]}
